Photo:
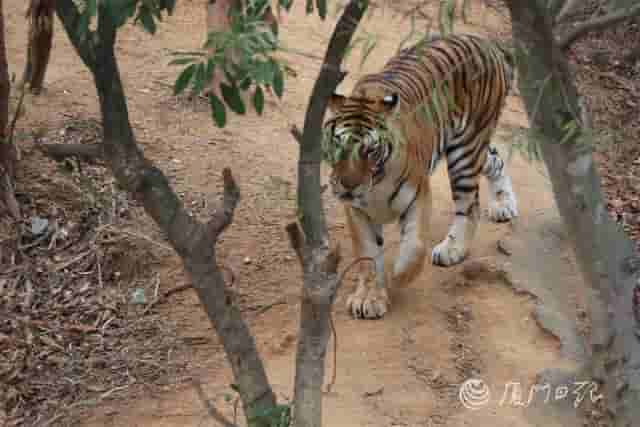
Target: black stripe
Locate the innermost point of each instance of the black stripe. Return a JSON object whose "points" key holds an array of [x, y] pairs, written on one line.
{"points": [[406, 76], [403, 215], [402, 182], [466, 189], [455, 181], [474, 154]]}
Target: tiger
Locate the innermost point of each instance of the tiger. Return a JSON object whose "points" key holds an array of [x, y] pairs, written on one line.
{"points": [[385, 139]]}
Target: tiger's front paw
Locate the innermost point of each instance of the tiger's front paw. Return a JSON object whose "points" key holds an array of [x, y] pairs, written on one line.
{"points": [[448, 252], [368, 303]]}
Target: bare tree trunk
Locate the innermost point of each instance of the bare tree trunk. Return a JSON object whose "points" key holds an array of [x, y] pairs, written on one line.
{"points": [[40, 15], [319, 263], [8, 153], [605, 254]]}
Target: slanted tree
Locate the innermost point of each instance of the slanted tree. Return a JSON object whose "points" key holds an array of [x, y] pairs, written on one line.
{"points": [[604, 253]]}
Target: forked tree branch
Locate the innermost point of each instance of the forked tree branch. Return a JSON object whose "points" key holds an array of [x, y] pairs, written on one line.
{"points": [[598, 24], [319, 262]]}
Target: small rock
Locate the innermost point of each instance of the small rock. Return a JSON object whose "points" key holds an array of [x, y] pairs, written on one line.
{"points": [[138, 296], [247, 260], [38, 225], [617, 203]]}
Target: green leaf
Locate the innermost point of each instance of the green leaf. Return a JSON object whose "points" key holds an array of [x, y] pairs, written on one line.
{"points": [[91, 8], [122, 13], [263, 72], [278, 81], [199, 79], [322, 8], [369, 44], [435, 100], [258, 100], [231, 96], [184, 78], [245, 83], [182, 61], [147, 21], [168, 5], [571, 129], [466, 7], [286, 4], [451, 102], [219, 115], [446, 16], [187, 52], [83, 26], [211, 67]]}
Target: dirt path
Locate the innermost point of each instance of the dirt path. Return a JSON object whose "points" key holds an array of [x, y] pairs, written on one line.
{"points": [[479, 320]]}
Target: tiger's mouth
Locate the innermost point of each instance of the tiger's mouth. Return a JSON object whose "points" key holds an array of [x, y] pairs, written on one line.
{"points": [[345, 194]]}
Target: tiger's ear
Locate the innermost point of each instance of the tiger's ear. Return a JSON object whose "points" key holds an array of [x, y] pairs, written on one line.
{"points": [[336, 102], [390, 103]]}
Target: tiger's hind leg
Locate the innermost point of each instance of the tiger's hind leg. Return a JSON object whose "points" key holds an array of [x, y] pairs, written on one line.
{"points": [[503, 205]]}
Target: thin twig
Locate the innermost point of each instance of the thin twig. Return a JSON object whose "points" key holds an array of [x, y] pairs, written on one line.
{"points": [[72, 260], [213, 412], [334, 372], [344, 272], [165, 295], [15, 120], [132, 234]]}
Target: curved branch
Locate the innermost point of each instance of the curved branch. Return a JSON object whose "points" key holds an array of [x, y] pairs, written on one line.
{"points": [[598, 24]]}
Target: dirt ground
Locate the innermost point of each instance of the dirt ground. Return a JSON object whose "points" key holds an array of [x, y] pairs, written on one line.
{"points": [[513, 310]]}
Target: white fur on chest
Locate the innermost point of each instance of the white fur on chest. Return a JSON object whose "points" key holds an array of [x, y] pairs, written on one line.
{"points": [[376, 202]]}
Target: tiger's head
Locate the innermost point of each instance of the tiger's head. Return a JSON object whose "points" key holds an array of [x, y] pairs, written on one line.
{"points": [[357, 141]]}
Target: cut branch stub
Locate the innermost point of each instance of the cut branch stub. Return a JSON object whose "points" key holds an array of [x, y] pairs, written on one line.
{"points": [[221, 220]]}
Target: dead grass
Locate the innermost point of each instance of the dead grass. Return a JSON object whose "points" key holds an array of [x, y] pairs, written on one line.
{"points": [[74, 292]]}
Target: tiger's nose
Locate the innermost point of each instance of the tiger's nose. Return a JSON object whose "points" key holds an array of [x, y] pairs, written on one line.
{"points": [[347, 184]]}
